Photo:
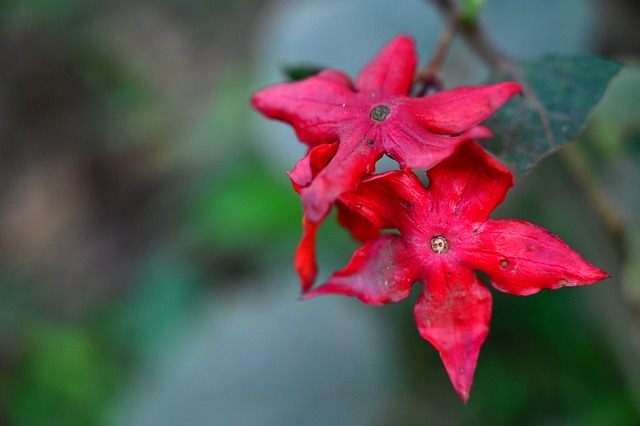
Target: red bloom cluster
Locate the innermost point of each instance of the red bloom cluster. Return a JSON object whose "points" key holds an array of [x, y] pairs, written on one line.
{"points": [[444, 230]]}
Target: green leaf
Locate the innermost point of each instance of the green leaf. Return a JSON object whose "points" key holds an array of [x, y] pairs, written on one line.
{"points": [[301, 71], [64, 376], [559, 92]]}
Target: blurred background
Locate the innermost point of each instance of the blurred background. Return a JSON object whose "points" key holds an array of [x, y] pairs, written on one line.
{"points": [[147, 226]]}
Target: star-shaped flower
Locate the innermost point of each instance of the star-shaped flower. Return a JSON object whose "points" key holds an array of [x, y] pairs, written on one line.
{"points": [[445, 235], [375, 116]]}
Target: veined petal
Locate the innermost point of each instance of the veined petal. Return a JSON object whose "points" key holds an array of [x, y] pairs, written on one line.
{"points": [[388, 199], [522, 258], [414, 147], [305, 258], [456, 110], [469, 184], [353, 160], [316, 107], [391, 71], [361, 228], [453, 313], [379, 272]]}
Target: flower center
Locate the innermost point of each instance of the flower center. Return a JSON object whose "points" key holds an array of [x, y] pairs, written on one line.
{"points": [[379, 113], [439, 244]]}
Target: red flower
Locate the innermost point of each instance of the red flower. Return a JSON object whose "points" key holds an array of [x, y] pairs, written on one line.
{"points": [[445, 235], [360, 228], [374, 116]]}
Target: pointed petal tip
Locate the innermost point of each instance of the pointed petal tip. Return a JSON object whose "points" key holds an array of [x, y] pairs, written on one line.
{"points": [[304, 295], [259, 95], [306, 282], [403, 38], [602, 275], [255, 100], [464, 396], [478, 132], [512, 87], [507, 89], [461, 379], [307, 294], [392, 70], [267, 102], [323, 290], [306, 277], [504, 91], [589, 274]]}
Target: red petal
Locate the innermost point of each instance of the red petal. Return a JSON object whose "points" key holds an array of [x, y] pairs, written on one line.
{"points": [[360, 227], [453, 313], [379, 272], [456, 110], [316, 107], [522, 259], [391, 71], [354, 159], [414, 147], [306, 169], [468, 185], [388, 199], [305, 257]]}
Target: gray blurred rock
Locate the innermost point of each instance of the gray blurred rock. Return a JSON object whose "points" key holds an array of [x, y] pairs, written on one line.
{"points": [[261, 357]]}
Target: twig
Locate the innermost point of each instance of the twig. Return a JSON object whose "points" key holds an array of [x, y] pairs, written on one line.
{"points": [[477, 39], [431, 75], [597, 197]]}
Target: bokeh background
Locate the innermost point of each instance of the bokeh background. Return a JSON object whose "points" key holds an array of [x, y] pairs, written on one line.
{"points": [[147, 225]]}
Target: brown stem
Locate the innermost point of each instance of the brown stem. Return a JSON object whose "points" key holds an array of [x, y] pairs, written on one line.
{"points": [[597, 197], [478, 39], [431, 75]]}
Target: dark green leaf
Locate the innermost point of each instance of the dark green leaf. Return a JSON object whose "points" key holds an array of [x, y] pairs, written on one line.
{"points": [[559, 94], [300, 72]]}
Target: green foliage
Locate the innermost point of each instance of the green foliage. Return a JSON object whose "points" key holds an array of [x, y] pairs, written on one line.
{"points": [[616, 123], [45, 12], [246, 208], [64, 377], [301, 71], [165, 287], [552, 364], [559, 94]]}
